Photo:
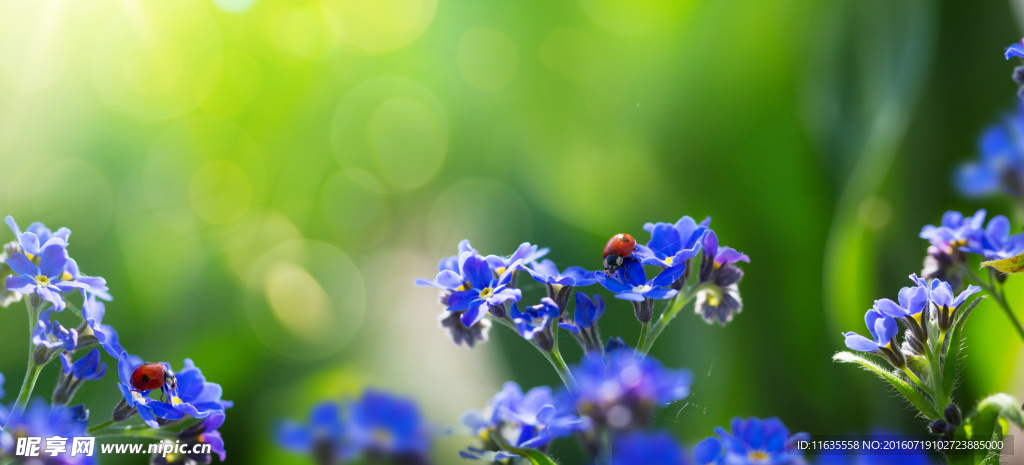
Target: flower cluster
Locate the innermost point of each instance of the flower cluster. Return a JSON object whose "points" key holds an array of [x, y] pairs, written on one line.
{"points": [[377, 427], [474, 286], [957, 235], [610, 399], [37, 268], [513, 420]]}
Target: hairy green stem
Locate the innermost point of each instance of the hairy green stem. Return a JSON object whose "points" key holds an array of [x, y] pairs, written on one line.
{"points": [[644, 328], [32, 371]]}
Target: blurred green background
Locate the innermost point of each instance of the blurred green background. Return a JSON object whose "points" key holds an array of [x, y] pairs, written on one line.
{"points": [[260, 181]]}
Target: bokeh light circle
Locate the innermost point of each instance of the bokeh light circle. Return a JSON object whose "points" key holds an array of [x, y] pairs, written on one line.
{"points": [[234, 6], [487, 58], [397, 123], [487, 212], [407, 141], [188, 160], [152, 61], [33, 42], [379, 25], [305, 299]]}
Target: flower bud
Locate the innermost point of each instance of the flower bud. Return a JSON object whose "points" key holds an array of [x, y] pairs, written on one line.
{"points": [[123, 411], [937, 427], [644, 310], [498, 311], [953, 415]]}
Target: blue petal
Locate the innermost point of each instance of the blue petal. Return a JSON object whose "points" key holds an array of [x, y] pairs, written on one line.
{"points": [[661, 293], [460, 300], [633, 272], [631, 296], [860, 343], [476, 271], [20, 264], [669, 276], [1014, 50], [51, 264]]}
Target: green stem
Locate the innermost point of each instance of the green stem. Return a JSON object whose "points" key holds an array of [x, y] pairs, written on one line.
{"points": [[917, 381], [102, 426], [666, 318], [132, 431], [33, 370], [554, 357], [559, 363], [999, 297], [644, 328]]}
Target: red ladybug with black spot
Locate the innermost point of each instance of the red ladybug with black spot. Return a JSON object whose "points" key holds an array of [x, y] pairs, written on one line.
{"points": [[618, 249], [150, 376]]}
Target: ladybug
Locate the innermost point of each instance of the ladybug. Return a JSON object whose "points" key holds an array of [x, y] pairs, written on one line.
{"points": [[616, 250], [150, 376]]}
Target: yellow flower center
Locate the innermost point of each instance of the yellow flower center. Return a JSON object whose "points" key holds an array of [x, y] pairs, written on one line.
{"points": [[758, 456], [486, 292], [65, 276], [382, 436], [669, 260], [175, 400], [713, 299], [42, 280]]}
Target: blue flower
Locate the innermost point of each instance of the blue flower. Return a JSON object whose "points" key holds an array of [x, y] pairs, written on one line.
{"points": [[1015, 50], [88, 285], [481, 290], [529, 420], [147, 408], [43, 421], [912, 300], [637, 448], [1, 385], [673, 244], [752, 441], [1001, 161], [75, 373], [203, 432], [93, 312], [547, 273], [955, 231], [383, 424], [882, 327], [719, 297], [195, 396], [535, 319], [527, 254], [451, 322], [630, 282], [588, 311], [42, 279], [324, 435], [37, 237], [85, 368], [377, 424], [622, 388], [942, 294], [51, 335], [995, 241]]}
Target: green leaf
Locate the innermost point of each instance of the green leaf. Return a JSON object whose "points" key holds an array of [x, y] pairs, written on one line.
{"points": [[535, 456], [954, 344], [1012, 265], [989, 423], [910, 392]]}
